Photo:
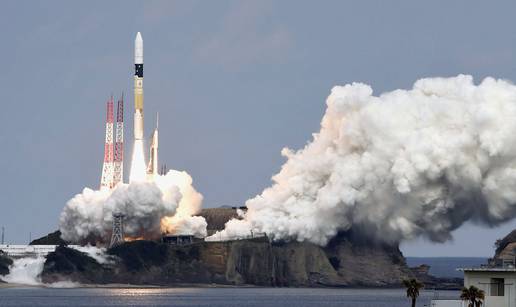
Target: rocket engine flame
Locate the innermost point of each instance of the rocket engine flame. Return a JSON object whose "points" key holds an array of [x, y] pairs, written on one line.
{"points": [[138, 166], [403, 164]]}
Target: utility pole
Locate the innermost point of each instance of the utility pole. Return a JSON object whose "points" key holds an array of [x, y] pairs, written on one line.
{"points": [[3, 233]]}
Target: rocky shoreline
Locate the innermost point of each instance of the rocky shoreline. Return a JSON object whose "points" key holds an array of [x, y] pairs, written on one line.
{"points": [[255, 262]]}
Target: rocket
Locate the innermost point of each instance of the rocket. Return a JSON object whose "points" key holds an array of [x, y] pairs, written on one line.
{"points": [[152, 168], [138, 87]]}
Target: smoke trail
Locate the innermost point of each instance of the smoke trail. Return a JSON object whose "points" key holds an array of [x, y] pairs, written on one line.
{"points": [[407, 163], [145, 205]]}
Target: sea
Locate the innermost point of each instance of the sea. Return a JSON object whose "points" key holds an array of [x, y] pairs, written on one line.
{"points": [[231, 296], [215, 297]]}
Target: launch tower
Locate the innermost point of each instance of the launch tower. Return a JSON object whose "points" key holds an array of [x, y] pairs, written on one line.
{"points": [[118, 175], [106, 180], [113, 168]]}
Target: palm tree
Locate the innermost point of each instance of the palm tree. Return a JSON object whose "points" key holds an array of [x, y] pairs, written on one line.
{"points": [[473, 295], [413, 286]]}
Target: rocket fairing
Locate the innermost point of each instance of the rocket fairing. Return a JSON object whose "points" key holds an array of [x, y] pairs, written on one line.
{"points": [[138, 87]]}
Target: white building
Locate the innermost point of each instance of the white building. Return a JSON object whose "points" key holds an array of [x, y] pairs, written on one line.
{"points": [[498, 280], [15, 251]]}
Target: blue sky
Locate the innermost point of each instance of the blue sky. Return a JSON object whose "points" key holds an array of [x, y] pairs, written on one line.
{"points": [[234, 82]]}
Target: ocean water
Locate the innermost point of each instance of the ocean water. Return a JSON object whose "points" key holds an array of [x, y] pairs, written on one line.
{"points": [[215, 297], [446, 266]]}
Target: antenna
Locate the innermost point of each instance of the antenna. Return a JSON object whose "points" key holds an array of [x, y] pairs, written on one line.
{"points": [[157, 120]]}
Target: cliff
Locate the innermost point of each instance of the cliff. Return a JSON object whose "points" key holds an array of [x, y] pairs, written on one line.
{"points": [[53, 238], [5, 262], [77, 266], [506, 247], [348, 260], [243, 262]]}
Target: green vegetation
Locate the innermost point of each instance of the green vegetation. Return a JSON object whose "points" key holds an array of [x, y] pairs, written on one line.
{"points": [[473, 295], [413, 286]]}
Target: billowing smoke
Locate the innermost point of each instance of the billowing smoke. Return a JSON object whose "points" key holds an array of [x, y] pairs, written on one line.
{"points": [[27, 270], [407, 163], [147, 207]]}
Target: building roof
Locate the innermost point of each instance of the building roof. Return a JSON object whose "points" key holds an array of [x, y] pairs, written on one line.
{"points": [[488, 269]]}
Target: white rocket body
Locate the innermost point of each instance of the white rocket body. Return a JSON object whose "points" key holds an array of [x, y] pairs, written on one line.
{"points": [[138, 49], [138, 87]]}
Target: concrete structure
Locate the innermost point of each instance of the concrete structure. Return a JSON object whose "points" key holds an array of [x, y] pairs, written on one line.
{"points": [[18, 251], [497, 279], [178, 239]]}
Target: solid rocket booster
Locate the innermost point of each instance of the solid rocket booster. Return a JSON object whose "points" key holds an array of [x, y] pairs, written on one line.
{"points": [[138, 87], [152, 168]]}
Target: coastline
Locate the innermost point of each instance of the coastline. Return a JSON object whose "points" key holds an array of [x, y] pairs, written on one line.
{"points": [[4, 285]]}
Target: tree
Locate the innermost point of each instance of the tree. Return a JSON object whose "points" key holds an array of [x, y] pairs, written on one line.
{"points": [[473, 295], [413, 286]]}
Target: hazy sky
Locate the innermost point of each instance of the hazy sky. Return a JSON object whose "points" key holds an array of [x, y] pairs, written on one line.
{"points": [[234, 82]]}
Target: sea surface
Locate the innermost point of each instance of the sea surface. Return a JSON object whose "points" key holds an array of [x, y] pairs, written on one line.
{"points": [[215, 297], [446, 266]]}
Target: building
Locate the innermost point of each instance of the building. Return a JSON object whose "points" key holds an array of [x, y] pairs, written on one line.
{"points": [[497, 279], [178, 239], [19, 251]]}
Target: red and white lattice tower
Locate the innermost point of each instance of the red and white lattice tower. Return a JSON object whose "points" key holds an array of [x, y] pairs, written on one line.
{"points": [[107, 169], [118, 175]]}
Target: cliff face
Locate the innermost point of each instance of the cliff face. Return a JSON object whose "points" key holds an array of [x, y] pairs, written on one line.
{"points": [[53, 238], [506, 247], [348, 260], [255, 262], [77, 266], [5, 262]]}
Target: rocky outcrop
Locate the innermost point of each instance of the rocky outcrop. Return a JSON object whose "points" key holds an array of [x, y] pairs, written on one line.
{"points": [[216, 218], [5, 262], [244, 262], [422, 273], [506, 247], [73, 264], [53, 238], [348, 260], [364, 262]]}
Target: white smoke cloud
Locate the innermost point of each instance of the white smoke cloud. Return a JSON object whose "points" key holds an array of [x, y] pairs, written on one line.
{"points": [[407, 163], [27, 270], [145, 205]]}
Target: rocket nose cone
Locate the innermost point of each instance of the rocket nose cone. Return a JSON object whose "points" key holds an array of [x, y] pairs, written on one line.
{"points": [[138, 49]]}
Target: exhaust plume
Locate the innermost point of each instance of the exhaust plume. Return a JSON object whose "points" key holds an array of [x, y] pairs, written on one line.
{"points": [[407, 163], [147, 206], [138, 167]]}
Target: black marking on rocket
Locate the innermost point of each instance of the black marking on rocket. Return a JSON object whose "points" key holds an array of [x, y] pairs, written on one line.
{"points": [[138, 70]]}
